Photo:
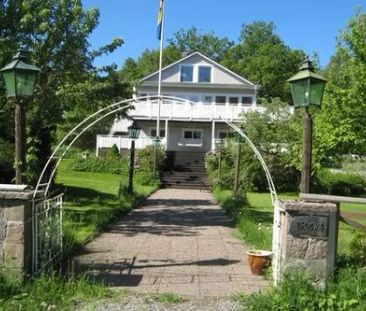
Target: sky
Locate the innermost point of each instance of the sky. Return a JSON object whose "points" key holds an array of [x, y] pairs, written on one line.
{"points": [[310, 25]]}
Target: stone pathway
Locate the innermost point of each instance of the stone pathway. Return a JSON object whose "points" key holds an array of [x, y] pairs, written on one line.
{"points": [[178, 241]]}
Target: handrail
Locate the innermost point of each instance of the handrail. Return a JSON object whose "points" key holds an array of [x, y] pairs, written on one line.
{"points": [[338, 199]]}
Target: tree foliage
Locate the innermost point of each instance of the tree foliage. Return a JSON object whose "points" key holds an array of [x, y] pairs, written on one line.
{"points": [[263, 58], [57, 32], [340, 123]]}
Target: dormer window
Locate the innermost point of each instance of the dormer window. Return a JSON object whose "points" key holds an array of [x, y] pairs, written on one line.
{"points": [[186, 73], [204, 74]]}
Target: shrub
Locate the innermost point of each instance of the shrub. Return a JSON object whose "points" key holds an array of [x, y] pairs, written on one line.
{"points": [[101, 165], [252, 176], [358, 247], [113, 152], [145, 158], [146, 178], [339, 183], [6, 161], [296, 292]]}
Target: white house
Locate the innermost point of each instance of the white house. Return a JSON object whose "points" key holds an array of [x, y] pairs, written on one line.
{"points": [[201, 94]]}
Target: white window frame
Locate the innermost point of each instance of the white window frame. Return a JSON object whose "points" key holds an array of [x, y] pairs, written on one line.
{"points": [[192, 142]]}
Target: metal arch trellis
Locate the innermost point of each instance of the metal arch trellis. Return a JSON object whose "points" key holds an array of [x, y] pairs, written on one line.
{"points": [[84, 126], [127, 104], [47, 212], [276, 238]]}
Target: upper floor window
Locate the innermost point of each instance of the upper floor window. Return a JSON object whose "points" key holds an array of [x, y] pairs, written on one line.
{"points": [[233, 101], [247, 100], [220, 100], [207, 99], [204, 74], [186, 73]]}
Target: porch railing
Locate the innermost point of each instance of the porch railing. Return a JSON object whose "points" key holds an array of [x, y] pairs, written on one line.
{"points": [[185, 110], [107, 141]]}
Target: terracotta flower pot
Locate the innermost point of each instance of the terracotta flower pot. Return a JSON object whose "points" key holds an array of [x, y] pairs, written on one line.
{"points": [[258, 261]]}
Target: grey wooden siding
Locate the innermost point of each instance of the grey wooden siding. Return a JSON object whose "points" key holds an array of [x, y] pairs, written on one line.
{"points": [[219, 75]]}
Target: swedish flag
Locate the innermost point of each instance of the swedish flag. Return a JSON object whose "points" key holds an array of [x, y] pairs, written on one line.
{"points": [[160, 19]]}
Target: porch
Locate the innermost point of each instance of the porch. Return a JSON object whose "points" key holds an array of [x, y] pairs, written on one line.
{"points": [[174, 135]]}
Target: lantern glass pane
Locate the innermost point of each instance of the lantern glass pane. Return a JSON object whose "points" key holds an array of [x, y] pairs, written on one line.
{"points": [[317, 90], [25, 83], [300, 92], [9, 78]]}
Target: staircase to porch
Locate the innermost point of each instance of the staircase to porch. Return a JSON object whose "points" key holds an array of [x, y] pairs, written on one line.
{"points": [[185, 169]]}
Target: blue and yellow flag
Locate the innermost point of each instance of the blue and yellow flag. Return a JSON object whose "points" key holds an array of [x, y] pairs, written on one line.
{"points": [[160, 19]]}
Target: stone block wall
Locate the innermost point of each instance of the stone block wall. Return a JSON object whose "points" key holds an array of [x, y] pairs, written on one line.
{"points": [[309, 232], [16, 231]]}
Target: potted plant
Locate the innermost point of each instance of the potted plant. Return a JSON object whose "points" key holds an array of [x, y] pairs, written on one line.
{"points": [[259, 260]]}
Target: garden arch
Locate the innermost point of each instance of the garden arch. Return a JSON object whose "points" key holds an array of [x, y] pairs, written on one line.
{"points": [[45, 204]]}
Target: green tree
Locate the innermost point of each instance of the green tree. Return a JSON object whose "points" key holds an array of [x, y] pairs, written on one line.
{"points": [[209, 44], [339, 125], [57, 32], [263, 58]]}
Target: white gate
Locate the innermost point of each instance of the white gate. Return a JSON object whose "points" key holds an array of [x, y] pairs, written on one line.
{"points": [[47, 234]]}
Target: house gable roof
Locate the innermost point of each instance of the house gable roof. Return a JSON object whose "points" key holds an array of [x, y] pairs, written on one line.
{"points": [[240, 79]]}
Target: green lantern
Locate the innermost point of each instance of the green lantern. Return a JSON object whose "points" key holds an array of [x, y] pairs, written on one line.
{"points": [[307, 87], [133, 131], [19, 76]]}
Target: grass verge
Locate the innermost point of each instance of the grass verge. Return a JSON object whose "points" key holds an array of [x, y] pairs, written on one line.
{"points": [[51, 293], [93, 202]]}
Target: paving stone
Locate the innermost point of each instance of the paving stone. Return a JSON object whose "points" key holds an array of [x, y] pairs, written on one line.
{"points": [[178, 241]]}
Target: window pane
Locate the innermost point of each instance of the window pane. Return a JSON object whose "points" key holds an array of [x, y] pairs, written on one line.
{"points": [[220, 100], [162, 133], [197, 134], [222, 135], [204, 74], [233, 100], [194, 98], [186, 73], [153, 132], [246, 100], [207, 99], [188, 134]]}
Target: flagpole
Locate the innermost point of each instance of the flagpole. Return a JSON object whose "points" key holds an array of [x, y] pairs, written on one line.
{"points": [[160, 68]]}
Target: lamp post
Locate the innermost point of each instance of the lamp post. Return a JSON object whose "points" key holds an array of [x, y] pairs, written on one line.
{"points": [[19, 77], [239, 140], [156, 143], [307, 88], [133, 133]]}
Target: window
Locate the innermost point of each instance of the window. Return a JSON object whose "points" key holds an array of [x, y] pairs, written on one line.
{"points": [[207, 99], [153, 132], [246, 100], [204, 74], [220, 100], [226, 134], [186, 73], [192, 134], [234, 101], [194, 98]]}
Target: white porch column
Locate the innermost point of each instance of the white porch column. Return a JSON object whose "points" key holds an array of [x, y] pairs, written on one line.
{"points": [[213, 145], [166, 134]]}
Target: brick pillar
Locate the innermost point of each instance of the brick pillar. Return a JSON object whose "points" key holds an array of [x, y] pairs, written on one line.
{"points": [[15, 230], [309, 232]]}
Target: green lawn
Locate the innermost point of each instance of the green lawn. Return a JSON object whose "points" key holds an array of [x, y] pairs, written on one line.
{"points": [[92, 202], [255, 224]]}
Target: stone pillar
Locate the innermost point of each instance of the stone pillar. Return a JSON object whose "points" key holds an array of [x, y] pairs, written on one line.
{"points": [[15, 230], [308, 238]]}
